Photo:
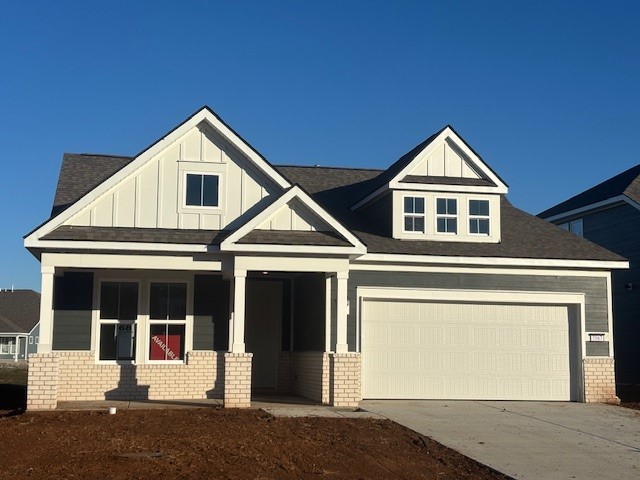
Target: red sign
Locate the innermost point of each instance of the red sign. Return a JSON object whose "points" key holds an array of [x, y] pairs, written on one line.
{"points": [[165, 347]]}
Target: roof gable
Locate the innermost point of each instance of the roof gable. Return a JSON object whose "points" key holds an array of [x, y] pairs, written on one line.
{"points": [[296, 223], [202, 136]]}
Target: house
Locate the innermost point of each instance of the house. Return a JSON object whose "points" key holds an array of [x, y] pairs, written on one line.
{"points": [[609, 214], [19, 316], [197, 269]]}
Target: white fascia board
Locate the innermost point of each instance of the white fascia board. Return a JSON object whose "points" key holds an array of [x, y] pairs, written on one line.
{"points": [[492, 261], [433, 187], [203, 115], [293, 249], [126, 246], [229, 243], [123, 261], [593, 206], [448, 132]]}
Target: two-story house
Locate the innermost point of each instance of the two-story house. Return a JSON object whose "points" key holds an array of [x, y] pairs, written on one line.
{"points": [[197, 269], [609, 214]]}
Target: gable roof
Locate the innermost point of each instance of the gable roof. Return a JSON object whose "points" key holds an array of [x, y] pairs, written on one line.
{"points": [[19, 311], [394, 171], [626, 183]]}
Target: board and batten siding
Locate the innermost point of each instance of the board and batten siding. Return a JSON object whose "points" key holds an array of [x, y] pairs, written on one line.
{"points": [[618, 229], [153, 196], [595, 289]]}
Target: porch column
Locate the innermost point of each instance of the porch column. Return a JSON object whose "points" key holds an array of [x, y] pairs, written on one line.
{"points": [[342, 313], [46, 310], [239, 299]]}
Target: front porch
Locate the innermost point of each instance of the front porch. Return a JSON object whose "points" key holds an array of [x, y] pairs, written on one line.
{"points": [[242, 332]]}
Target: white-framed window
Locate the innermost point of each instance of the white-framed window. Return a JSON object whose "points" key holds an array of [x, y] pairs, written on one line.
{"points": [[447, 215], [30, 340], [414, 214], [574, 226], [479, 217], [117, 321], [201, 190], [167, 321], [7, 346]]}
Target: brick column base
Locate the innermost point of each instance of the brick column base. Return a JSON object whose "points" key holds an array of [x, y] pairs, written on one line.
{"points": [[237, 380], [345, 379], [42, 381], [599, 380]]}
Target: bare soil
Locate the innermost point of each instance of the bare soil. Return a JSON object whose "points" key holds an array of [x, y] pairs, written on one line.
{"points": [[213, 443]]}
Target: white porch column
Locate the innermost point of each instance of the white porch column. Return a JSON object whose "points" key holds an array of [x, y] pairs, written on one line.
{"points": [[239, 299], [46, 309], [342, 313]]}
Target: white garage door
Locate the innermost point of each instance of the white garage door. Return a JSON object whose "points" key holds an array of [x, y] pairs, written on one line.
{"points": [[426, 350]]}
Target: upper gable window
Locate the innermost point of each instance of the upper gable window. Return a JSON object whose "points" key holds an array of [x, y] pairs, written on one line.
{"points": [[574, 226], [202, 190], [447, 215], [414, 214], [479, 217]]}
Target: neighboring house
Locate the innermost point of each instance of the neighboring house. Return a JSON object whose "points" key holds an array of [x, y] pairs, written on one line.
{"points": [[609, 215], [197, 269], [19, 316]]}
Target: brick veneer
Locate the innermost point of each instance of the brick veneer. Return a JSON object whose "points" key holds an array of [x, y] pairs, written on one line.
{"points": [[599, 380], [345, 379], [42, 381], [75, 376], [237, 380]]}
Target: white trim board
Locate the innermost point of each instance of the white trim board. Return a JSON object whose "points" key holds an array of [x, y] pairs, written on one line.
{"points": [[610, 202]]}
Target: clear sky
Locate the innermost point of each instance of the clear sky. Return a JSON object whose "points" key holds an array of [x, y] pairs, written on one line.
{"points": [[547, 92]]}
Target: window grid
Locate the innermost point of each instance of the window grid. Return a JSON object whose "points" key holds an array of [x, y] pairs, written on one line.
{"points": [[447, 215], [167, 321], [479, 217], [414, 214]]}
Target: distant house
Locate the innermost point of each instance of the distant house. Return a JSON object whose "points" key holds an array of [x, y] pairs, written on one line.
{"points": [[197, 269], [609, 215], [19, 323]]}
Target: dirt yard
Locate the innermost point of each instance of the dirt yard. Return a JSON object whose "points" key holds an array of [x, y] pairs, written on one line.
{"points": [[212, 443]]}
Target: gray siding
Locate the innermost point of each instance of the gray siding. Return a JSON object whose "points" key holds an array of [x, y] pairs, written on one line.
{"points": [[595, 349], [309, 313], [618, 229], [34, 338], [72, 303], [595, 289], [381, 213]]}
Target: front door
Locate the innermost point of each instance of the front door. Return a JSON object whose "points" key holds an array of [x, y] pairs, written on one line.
{"points": [[262, 331]]}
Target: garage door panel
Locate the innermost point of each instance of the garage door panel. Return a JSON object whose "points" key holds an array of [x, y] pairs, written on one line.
{"points": [[416, 350]]}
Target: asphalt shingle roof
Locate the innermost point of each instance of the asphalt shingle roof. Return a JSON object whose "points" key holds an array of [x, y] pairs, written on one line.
{"points": [[335, 189], [19, 311], [625, 183]]}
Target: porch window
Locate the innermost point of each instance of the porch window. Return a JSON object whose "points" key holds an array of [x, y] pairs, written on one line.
{"points": [[7, 347], [167, 321], [118, 315], [447, 215]]}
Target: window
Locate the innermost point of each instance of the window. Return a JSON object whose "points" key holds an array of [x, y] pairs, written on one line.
{"points": [[447, 215], [414, 214], [118, 315], [167, 321], [574, 226], [202, 190], [479, 217], [7, 347]]}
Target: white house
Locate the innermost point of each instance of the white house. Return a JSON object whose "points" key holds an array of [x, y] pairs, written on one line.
{"points": [[197, 269]]}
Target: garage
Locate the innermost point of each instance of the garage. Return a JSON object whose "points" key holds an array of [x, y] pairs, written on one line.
{"points": [[414, 348]]}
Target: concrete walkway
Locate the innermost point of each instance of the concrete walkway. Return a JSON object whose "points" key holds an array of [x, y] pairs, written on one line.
{"points": [[529, 440]]}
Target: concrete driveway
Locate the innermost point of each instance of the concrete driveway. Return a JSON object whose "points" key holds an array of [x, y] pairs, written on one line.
{"points": [[529, 440]]}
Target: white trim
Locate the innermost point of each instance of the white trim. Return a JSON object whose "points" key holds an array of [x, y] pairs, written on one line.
{"points": [[610, 202], [142, 262], [126, 246], [433, 187], [203, 115], [609, 335], [490, 261], [480, 269], [448, 135], [229, 244]]}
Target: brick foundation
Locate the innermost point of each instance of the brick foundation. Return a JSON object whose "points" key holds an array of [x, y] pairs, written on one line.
{"points": [[237, 380], [75, 376], [599, 380], [345, 379], [42, 381]]}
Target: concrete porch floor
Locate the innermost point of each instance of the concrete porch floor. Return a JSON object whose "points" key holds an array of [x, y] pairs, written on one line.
{"points": [[276, 405]]}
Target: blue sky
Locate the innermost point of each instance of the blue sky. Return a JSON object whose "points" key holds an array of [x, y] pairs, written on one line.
{"points": [[547, 92]]}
